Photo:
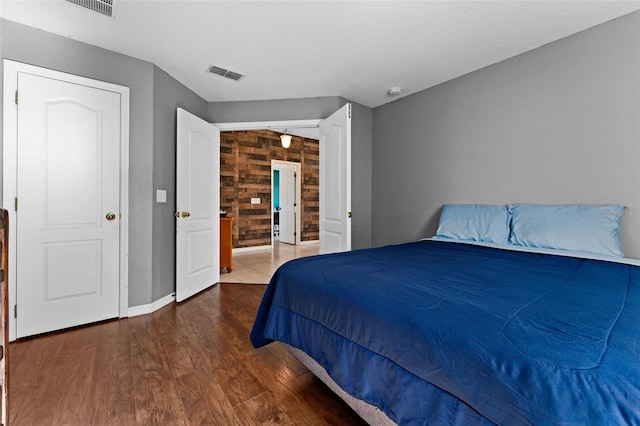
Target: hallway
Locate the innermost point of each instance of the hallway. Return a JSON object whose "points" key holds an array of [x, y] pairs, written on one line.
{"points": [[257, 267]]}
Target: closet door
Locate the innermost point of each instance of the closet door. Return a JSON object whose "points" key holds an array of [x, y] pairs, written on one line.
{"points": [[68, 215]]}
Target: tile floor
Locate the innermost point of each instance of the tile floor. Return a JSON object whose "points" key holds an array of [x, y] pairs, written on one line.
{"points": [[257, 267]]}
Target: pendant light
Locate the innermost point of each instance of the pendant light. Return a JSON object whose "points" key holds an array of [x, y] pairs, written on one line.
{"points": [[285, 139]]}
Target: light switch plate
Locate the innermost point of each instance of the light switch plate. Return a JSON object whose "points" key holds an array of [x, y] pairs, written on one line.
{"points": [[255, 200], [161, 196]]}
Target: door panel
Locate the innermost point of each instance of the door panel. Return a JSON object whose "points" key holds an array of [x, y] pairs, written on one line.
{"points": [[84, 279], [197, 205], [68, 178], [287, 205], [335, 182]]}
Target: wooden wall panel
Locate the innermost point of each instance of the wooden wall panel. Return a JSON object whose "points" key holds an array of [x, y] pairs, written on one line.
{"points": [[245, 173]]}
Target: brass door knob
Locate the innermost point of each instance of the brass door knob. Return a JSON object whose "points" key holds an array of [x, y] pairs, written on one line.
{"points": [[186, 214], [110, 216]]}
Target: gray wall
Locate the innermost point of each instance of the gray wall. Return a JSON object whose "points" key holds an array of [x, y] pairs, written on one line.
{"points": [[168, 95], [361, 175], [318, 108], [559, 124], [273, 110], [154, 98], [150, 144]]}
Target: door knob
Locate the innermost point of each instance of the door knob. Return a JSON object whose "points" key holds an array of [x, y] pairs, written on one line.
{"points": [[186, 214], [110, 216]]}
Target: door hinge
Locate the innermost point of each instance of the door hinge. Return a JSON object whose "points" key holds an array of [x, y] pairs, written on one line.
{"points": [[15, 204], [349, 110], [349, 215], [16, 97], [15, 311]]}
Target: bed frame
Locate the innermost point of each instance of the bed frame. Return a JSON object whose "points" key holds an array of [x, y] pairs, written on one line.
{"points": [[368, 412]]}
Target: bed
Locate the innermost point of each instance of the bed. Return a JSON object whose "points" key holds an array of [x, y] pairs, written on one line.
{"points": [[451, 331]]}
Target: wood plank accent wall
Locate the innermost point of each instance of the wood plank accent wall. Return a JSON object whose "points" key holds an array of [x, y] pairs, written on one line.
{"points": [[245, 173]]}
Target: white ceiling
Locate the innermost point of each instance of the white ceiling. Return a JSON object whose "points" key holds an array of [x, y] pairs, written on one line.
{"points": [[298, 49]]}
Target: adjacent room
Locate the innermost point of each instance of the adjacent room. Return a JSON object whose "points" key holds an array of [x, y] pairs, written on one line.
{"points": [[270, 195], [345, 213]]}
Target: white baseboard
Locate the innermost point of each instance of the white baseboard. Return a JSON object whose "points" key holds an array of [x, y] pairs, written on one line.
{"points": [[254, 248], [134, 311], [270, 246]]}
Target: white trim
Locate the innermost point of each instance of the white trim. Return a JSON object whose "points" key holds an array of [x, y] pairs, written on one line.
{"points": [[261, 125], [135, 311], [249, 249], [9, 182], [124, 200], [270, 246]]}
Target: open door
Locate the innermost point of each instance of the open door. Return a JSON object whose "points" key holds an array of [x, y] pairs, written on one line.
{"points": [[197, 205], [335, 182], [287, 205]]}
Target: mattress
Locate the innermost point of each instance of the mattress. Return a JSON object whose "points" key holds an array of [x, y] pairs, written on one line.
{"points": [[435, 332]]}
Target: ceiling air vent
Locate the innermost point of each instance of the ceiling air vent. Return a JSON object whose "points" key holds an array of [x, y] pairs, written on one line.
{"points": [[103, 7], [224, 73]]}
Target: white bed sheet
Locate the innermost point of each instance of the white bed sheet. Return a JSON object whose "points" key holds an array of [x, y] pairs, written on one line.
{"points": [[571, 253]]}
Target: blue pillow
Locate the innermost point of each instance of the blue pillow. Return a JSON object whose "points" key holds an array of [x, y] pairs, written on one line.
{"points": [[474, 222], [588, 228]]}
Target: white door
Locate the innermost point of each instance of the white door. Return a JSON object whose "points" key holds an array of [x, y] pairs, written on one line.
{"points": [[287, 205], [335, 182], [197, 205], [68, 196]]}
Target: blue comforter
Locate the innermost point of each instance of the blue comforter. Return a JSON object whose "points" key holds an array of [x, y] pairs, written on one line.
{"points": [[443, 333]]}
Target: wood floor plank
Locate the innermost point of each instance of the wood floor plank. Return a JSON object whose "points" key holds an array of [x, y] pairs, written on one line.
{"points": [[196, 409], [217, 400], [186, 364], [263, 410], [156, 398]]}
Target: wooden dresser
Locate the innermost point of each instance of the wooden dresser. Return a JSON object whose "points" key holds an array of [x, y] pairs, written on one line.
{"points": [[226, 243], [4, 316]]}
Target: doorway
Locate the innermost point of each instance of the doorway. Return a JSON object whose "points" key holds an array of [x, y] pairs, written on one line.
{"points": [[285, 195], [334, 136], [247, 151]]}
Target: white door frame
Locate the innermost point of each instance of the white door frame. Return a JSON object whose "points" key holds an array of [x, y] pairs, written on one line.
{"points": [[262, 125], [298, 170], [9, 173]]}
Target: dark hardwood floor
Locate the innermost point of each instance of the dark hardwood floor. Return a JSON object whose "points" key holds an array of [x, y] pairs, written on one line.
{"points": [[185, 364]]}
